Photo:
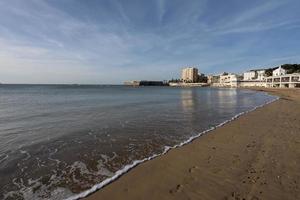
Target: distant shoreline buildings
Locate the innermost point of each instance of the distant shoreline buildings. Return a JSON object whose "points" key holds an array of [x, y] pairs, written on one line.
{"points": [[271, 77], [280, 78], [189, 75]]}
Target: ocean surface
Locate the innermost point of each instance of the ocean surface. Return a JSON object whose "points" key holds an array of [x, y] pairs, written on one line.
{"points": [[57, 141]]}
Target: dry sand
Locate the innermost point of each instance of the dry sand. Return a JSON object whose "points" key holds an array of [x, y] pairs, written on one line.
{"points": [[256, 156]]}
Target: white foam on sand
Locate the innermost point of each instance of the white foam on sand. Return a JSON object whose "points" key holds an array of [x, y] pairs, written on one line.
{"points": [[126, 168]]}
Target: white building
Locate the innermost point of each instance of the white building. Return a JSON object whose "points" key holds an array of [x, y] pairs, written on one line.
{"points": [[189, 74], [257, 75], [279, 71], [284, 80], [253, 78], [229, 80], [250, 75], [211, 79], [261, 74]]}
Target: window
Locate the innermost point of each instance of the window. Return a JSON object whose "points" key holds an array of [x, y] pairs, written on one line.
{"points": [[295, 79]]}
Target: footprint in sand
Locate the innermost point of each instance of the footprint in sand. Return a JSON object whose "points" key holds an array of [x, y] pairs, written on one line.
{"points": [[209, 159], [192, 169], [178, 188], [234, 195]]}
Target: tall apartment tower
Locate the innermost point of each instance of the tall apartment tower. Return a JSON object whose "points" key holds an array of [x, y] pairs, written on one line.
{"points": [[189, 74]]}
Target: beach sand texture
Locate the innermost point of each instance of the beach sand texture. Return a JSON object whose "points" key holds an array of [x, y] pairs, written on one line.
{"points": [[254, 157]]}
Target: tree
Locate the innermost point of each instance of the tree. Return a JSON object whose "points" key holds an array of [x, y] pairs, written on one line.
{"points": [[291, 68], [269, 71]]}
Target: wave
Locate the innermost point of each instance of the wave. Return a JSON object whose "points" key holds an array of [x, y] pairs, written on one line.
{"points": [[135, 163]]}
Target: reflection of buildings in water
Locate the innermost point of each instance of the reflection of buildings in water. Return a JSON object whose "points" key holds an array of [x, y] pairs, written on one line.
{"points": [[191, 109], [245, 100], [226, 99], [188, 100]]}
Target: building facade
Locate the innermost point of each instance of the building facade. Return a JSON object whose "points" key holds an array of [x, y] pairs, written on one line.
{"points": [[257, 75], [189, 74], [250, 75], [261, 75], [211, 79], [279, 72], [284, 80], [229, 80]]}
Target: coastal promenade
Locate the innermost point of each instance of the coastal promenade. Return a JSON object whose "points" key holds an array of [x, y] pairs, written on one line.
{"points": [[254, 157]]}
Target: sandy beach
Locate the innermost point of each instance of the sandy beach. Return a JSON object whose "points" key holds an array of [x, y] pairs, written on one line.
{"points": [[254, 157]]}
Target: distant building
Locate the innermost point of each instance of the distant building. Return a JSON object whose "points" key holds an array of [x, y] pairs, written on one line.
{"points": [[211, 79], [284, 81], [257, 75], [229, 80], [189, 74], [281, 79], [253, 78], [250, 75], [132, 83], [279, 71], [261, 74]]}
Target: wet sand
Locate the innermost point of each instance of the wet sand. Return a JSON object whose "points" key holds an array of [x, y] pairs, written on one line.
{"points": [[254, 157]]}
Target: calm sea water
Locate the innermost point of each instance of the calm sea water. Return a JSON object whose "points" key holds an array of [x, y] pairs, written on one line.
{"points": [[58, 140]]}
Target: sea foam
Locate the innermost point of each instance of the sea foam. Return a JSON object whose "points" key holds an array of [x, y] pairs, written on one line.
{"points": [[128, 167]]}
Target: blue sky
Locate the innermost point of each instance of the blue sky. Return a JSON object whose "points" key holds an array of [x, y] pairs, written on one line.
{"points": [[109, 41]]}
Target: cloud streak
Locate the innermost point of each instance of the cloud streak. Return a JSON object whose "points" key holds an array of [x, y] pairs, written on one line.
{"points": [[79, 41]]}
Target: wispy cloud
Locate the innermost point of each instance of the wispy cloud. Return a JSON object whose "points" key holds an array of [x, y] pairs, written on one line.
{"points": [[261, 17], [112, 40], [257, 27]]}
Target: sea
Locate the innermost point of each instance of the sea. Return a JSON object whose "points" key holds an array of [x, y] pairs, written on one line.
{"points": [[66, 141]]}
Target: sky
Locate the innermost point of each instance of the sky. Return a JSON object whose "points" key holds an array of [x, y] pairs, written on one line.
{"points": [[111, 41]]}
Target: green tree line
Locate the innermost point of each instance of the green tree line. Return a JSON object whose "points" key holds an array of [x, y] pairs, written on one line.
{"points": [[290, 68]]}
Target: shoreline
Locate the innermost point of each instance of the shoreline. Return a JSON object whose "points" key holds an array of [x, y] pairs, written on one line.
{"points": [[127, 168], [109, 188]]}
